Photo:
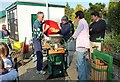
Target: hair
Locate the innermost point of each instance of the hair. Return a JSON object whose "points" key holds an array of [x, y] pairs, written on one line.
{"points": [[4, 50], [79, 14], [65, 18], [70, 21], [39, 13], [95, 13], [3, 26], [1, 63]]}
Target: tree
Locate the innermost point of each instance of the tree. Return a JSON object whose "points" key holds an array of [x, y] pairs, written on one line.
{"points": [[97, 7], [77, 8], [68, 11], [87, 16], [114, 17]]}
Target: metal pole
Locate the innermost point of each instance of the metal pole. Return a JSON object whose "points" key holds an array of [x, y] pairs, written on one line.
{"points": [[47, 10]]}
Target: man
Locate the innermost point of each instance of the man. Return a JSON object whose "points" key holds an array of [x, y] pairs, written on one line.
{"points": [[37, 37], [82, 44], [97, 30]]}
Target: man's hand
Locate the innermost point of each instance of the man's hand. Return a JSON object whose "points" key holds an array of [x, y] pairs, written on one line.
{"points": [[47, 26], [91, 29], [71, 38], [54, 30]]}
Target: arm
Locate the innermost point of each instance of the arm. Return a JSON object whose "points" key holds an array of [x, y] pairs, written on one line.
{"points": [[72, 28], [78, 30], [12, 75], [8, 32], [47, 26], [101, 26], [36, 31], [56, 30]]}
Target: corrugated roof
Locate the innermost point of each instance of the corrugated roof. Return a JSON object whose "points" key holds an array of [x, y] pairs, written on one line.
{"points": [[2, 14]]}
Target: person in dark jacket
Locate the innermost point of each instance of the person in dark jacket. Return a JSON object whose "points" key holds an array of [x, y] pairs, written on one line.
{"points": [[97, 30], [66, 28]]}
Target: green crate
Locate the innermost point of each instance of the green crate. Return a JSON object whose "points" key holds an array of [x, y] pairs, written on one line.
{"points": [[4, 41], [55, 64], [56, 59]]}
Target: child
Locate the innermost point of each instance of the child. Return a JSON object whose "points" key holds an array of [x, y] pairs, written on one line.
{"points": [[2, 69], [5, 75], [4, 53]]}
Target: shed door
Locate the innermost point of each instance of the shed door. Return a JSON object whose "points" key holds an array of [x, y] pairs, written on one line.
{"points": [[33, 18]]}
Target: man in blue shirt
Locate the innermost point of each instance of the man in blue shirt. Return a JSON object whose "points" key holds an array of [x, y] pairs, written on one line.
{"points": [[37, 37]]}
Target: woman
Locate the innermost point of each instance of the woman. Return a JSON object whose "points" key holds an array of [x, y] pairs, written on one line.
{"points": [[4, 54], [5, 35]]}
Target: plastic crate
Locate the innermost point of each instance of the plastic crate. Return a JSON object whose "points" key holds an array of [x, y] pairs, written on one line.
{"points": [[4, 40]]}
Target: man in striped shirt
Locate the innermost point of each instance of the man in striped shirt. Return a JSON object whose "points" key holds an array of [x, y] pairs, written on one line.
{"points": [[37, 37]]}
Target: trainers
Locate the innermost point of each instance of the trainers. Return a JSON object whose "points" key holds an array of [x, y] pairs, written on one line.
{"points": [[38, 72], [34, 58], [42, 72], [31, 55]]}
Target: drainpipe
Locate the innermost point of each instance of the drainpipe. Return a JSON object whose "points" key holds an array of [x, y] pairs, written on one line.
{"points": [[47, 10]]}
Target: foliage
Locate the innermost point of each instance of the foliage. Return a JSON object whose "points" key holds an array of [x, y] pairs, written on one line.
{"points": [[68, 11], [87, 16], [112, 44], [79, 7], [114, 17], [97, 7]]}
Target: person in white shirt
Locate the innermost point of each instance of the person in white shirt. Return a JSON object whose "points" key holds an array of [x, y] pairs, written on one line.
{"points": [[82, 45]]}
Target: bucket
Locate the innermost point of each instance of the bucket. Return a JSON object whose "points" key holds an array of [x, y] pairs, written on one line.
{"points": [[26, 48], [17, 45]]}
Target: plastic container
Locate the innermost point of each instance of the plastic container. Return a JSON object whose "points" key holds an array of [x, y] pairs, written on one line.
{"points": [[17, 45], [26, 48]]}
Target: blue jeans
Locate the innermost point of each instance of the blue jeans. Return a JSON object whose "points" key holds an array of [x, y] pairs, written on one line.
{"points": [[82, 65], [38, 48], [39, 60]]}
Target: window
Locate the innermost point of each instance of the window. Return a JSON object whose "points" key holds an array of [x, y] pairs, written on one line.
{"points": [[13, 23]]}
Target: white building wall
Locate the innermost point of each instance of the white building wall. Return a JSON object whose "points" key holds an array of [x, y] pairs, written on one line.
{"points": [[56, 13], [2, 21], [24, 18]]}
